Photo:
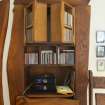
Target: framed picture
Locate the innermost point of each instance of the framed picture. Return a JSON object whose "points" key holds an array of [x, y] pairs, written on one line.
{"points": [[100, 51], [100, 65], [100, 36]]}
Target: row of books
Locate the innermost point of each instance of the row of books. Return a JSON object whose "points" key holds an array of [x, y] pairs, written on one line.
{"points": [[68, 35], [29, 35], [47, 57], [66, 58], [68, 19], [28, 25], [67, 16], [31, 58], [29, 19], [50, 57]]}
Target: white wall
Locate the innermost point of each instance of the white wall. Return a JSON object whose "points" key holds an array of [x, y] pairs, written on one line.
{"points": [[97, 23]]}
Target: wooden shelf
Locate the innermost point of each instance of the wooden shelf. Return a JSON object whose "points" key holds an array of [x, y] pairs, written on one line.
{"points": [[49, 65], [48, 44], [49, 95], [68, 27], [23, 100]]}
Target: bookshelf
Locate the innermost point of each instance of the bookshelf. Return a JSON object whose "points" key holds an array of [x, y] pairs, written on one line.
{"points": [[49, 53], [51, 58], [42, 53], [57, 24], [56, 57]]}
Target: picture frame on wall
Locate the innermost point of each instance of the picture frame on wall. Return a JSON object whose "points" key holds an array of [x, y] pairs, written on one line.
{"points": [[100, 65], [100, 51], [100, 36]]}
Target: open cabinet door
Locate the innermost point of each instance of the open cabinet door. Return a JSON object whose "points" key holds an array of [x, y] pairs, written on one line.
{"points": [[4, 13]]}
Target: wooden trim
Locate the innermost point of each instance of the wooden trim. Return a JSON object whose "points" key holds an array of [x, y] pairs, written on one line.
{"points": [[4, 13], [45, 101], [16, 55], [99, 82], [90, 88], [72, 2], [82, 21], [100, 99]]}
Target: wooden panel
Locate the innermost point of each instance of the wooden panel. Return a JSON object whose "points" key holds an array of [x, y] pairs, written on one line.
{"points": [[40, 21], [46, 101], [78, 2], [90, 88], [82, 21], [16, 55], [0, 14], [56, 22], [100, 99], [4, 11], [99, 82], [73, 2]]}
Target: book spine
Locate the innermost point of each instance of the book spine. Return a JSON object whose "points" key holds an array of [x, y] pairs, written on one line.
{"points": [[58, 53], [55, 58]]}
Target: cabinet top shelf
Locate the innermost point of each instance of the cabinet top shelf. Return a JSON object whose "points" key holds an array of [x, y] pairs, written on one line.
{"points": [[50, 65], [49, 44]]}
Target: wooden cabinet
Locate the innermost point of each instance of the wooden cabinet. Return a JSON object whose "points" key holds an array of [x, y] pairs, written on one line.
{"points": [[36, 21], [62, 22], [48, 21], [56, 22]]}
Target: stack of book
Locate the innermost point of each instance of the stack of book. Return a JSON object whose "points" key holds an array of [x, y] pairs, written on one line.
{"points": [[31, 58], [28, 25], [66, 57], [68, 37], [46, 57], [68, 26], [68, 19], [50, 57]]}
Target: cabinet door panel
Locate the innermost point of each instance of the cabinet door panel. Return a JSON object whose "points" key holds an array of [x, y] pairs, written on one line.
{"points": [[40, 21]]}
